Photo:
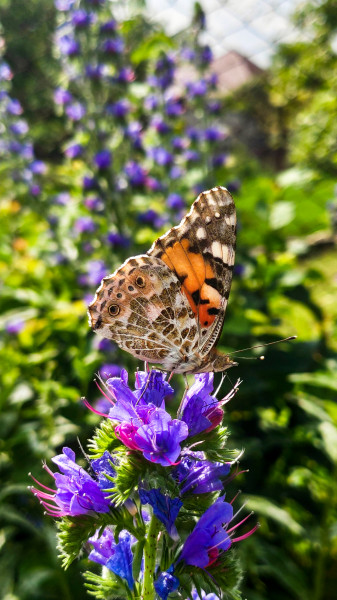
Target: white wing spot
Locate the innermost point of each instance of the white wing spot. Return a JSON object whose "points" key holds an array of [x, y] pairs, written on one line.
{"points": [[208, 220], [216, 249], [201, 233]]}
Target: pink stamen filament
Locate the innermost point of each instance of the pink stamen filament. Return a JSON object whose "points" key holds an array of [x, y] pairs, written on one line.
{"points": [[97, 412], [243, 537], [235, 497], [240, 523], [111, 400]]}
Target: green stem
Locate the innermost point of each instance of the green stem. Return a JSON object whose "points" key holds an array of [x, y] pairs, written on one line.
{"points": [[150, 550]]}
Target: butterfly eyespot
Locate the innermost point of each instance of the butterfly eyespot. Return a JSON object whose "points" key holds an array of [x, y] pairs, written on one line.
{"points": [[140, 281], [114, 310], [119, 295]]}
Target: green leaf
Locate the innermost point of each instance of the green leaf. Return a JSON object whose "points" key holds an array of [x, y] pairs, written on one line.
{"points": [[267, 508]]}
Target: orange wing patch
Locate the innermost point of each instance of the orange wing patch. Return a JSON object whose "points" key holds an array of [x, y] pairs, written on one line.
{"points": [[193, 272]]}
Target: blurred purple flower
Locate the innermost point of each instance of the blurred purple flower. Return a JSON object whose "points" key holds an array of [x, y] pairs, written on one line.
{"points": [[175, 202], [96, 270], [206, 55], [62, 96], [125, 75], [84, 225], [191, 156], [194, 134], [151, 102], [174, 107], [214, 106], [103, 159], [81, 18], [104, 345], [233, 186], [179, 143], [35, 189], [110, 370], [14, 327], [187, 53], [117, 240], [151, 217], [153, 184], [160, 125], [176, 172], [75, 111], [38, 167], [94, 203], [63, 5], [95, 71], [196, 88], [14, 107], [62, 198], [161, 156], [135, 173], [108, 26], [74, 151], [218, 160], [213, 134], [89, 183], [68, 45], [113, 46], [87, 247], [5, 72], [20, 127], [119, 109]]}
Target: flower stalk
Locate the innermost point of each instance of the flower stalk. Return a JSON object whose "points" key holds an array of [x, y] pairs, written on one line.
{"points": [[150, 553]]}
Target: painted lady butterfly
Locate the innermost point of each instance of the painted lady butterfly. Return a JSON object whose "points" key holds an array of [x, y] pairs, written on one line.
{"points": [[168, 306]]}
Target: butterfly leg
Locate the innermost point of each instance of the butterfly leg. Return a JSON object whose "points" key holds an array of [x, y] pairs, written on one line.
{"points": [[147, 382], [187, 387]]}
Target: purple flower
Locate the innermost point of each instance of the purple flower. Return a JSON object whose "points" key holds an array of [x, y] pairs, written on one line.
{"points": [[110, 370], [204, 596], [119, 109], [135, 173], [35, 189], [94, 203], [200, 410], [125, 75], [155, 185], [174, 107], [62, 96], [160, 125], [209, 537], [196, 88], [166, 583], [75, 111], [63, 5], [213, 134], [218, 160], [179, 143], [191, 156], [187, 53], [104, 470], [160, 438], [161, 156], [113, 46], [206, 55], [62, 198], [103, 159], [108, 26], [5, 72], [194, 134], [176, 172], [117, 240], [14, 327], [200, 476], [77, 493], [68, 46], [166, 509], [95, 71], [116, 557], [151, 102], [38, 167], [81, 18], [214, 106], [104, 345], [20, 127], [175, 202], [84, 225], [151, 217], [233, 186], [14, 107], [74, 151], [89, 183], [96, 270]]}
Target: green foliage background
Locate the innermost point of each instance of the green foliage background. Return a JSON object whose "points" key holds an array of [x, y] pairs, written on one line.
{"points": [[285, 415]]}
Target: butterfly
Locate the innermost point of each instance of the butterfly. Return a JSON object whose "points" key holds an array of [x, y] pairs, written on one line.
{"points": [[167, 306]]}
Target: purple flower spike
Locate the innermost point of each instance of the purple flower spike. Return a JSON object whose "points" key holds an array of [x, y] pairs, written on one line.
{"points": [[14, 327], [166, 509], [117, 240], [175, 202], [135, 173], [113, 46], [200, 476], [14, 107], [81, 19], [161, 156], [74, 151], [116, 557], [62, 96], [84, 225], [68, 46], [75, 111], [209, 537], [77, 493], [166, 583]]}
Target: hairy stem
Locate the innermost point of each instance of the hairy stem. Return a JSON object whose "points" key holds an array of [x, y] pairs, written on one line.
{"points": [[150, 550]]}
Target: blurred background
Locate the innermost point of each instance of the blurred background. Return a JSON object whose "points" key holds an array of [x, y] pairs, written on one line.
{"points": [[113, 117]]}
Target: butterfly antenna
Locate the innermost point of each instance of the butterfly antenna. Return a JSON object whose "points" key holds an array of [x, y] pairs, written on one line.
{"points": [[292, 337]]}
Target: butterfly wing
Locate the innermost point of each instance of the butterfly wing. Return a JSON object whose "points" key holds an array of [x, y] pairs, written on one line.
{"points": [[200, 251], [142, 309]]}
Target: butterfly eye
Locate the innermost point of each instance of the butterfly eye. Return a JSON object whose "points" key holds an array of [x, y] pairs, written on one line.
{"points": [[114, 310], [140, 281]]}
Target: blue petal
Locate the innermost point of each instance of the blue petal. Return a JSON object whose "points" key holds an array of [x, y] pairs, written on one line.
{"points": [[166, 509], [165, 584]]}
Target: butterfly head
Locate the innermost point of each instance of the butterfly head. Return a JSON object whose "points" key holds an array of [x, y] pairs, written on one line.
{"points": [[220, 362]]}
